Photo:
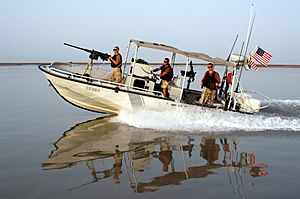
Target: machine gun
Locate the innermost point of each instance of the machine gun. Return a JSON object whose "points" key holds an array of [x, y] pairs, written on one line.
{"points": [[94, 55], [190, 74]]}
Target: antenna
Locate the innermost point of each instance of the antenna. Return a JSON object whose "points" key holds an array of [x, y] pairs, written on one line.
{"points": [[250, 27]]}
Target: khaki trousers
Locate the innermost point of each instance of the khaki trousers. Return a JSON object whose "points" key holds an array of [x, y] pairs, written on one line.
{"points": [[208, 93], [115, 75]]}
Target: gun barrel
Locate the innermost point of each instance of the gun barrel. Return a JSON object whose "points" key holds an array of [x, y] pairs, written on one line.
{"points": [[84, 49], [94, 54]]}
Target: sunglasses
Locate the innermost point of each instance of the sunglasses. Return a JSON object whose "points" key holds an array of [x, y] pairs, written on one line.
{"points": [[115, 49], [209, 67]]}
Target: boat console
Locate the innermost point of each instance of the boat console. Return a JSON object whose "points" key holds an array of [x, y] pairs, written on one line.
{"points": [[140, 76]]}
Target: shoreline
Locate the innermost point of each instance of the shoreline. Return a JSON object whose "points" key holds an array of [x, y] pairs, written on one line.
{"points": [[195, 64]]}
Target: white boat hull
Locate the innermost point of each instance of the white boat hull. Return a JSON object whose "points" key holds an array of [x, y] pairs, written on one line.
{"points": [[104, 98]]}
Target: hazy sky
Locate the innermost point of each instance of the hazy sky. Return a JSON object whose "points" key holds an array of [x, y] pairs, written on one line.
{"points": [[35, 30]]}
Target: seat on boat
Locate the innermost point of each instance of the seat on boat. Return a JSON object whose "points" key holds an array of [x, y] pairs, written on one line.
{"points": [[175, 87], [140, 76]]}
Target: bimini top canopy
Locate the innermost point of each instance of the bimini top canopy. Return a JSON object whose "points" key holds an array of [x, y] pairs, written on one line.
{"points": [[163, 47]]}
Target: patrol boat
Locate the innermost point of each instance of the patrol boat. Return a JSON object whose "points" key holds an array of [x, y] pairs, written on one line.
{"points": [[88, 87]]}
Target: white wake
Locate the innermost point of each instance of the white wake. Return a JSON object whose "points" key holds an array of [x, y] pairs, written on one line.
{"points": [[197, 119]]}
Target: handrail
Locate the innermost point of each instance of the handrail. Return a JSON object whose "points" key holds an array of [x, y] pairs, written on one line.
{"points": [[265, 96], [262, 95], [93, 80]]}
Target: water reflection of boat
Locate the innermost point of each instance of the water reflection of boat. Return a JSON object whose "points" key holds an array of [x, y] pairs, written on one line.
{"points": [[128, 151], [176, 178], [94, 139]]}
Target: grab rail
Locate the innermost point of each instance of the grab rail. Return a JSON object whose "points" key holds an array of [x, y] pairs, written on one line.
{"points": [[92, 80], [266, 97]]}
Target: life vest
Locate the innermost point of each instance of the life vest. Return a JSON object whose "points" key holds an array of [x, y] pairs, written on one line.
{"points": [[210, 81], [115, 58], [229, 78], [169, 75]]}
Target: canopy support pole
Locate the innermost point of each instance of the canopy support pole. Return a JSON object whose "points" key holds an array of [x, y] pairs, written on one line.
{"points": [[232, 88], [184, 77], [133, 66], [173, 59], [127, 54]]}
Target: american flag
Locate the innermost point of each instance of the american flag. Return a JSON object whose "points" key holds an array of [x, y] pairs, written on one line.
{"points": [[261, 56], [252, 64]]}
